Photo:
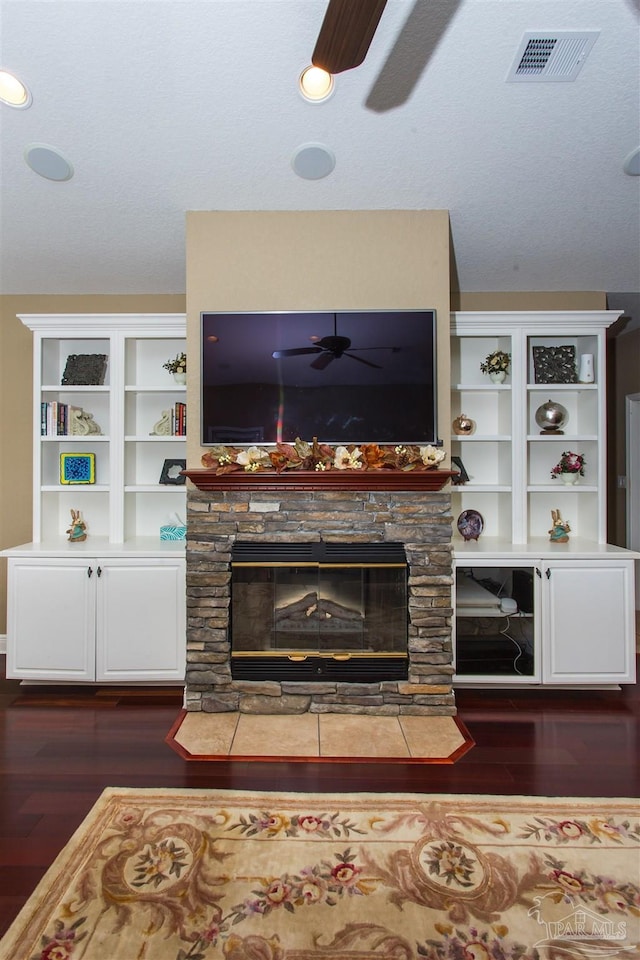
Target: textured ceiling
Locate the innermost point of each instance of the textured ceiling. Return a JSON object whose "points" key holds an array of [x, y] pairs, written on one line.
{"points": [[164, 106]]}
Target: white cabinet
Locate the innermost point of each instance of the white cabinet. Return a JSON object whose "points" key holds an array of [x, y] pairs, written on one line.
{"points": [[107, 420], [588, 612], [51, 607], [583, 629], [526, 619], [96, 619]]}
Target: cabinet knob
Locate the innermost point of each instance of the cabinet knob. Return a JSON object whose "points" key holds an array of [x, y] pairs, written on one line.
{"points": [[99, 571], [89, 571]]}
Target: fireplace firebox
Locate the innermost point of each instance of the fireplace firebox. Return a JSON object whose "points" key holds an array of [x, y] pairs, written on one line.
{"points": [[319, 611]]}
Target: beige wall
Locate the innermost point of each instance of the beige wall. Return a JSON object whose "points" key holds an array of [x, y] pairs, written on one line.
{"points": [[16, 400], [314, 260], [531, 300]]}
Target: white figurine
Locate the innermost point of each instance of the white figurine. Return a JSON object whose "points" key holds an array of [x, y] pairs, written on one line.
{"points": [[81, 423], [163, 427]]}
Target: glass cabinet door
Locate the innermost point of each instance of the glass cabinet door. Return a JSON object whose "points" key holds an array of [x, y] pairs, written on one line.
{"points": [[495, 625]]}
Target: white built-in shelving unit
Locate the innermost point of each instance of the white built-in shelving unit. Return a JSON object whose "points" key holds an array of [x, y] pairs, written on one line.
{"points": [[115, 603], [581, 628]]}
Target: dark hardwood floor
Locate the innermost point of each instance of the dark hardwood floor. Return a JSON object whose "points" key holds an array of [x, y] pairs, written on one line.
{"points": [[59, 748]]}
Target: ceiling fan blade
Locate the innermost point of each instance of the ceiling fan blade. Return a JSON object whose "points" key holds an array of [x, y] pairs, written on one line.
{"points": [[346, 34], [323, 360], [361, 360], [294, 352]]}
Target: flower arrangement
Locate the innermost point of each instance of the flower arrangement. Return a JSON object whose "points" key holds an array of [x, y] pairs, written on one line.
{"points": [[301, 455], [569, 463], [179, 365], [496, 361]]}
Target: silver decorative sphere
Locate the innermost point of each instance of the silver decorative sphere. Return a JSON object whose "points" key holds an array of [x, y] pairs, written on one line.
{"points": [[551, 417]]}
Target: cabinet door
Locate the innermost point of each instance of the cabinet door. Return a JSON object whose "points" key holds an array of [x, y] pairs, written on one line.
{"points": [[51, 619], [496, 636], [589, 631], [141, 620]]}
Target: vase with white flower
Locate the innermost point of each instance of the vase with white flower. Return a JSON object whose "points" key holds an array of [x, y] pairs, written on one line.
{"points": [[569, 468], [497, 365], [178, 367]]}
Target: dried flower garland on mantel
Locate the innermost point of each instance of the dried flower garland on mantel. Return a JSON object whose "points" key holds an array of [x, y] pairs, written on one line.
{"points": [[321, 457]]}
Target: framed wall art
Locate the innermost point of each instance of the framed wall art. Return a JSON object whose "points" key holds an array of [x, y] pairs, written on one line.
{"points": [[555, 364], [171, 472]]}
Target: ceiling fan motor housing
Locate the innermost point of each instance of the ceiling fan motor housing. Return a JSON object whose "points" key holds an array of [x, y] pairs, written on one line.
{"points": [[337, 345]]}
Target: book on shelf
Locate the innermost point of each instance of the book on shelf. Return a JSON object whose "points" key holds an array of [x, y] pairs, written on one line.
{"points": [[54, 419], [179, 419]]}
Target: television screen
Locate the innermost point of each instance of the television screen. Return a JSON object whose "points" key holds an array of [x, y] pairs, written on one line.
{"points": [[355, 376]]}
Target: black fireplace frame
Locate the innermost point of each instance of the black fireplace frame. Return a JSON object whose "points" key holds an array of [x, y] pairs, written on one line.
{"points": [[299, 667]]}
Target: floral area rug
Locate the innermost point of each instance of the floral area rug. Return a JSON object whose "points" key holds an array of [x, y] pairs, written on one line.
{"points": [[201, 875]]}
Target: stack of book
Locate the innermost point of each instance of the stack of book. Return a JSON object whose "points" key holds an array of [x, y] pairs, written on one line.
{"points": [[54, 419], [179, 420]]}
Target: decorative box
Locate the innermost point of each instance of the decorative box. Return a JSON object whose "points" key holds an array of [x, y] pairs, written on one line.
{"points": [[77, 468], [172, 533]]}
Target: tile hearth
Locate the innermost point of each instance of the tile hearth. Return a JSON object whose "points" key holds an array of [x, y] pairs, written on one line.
{"points": [[309, 736]]}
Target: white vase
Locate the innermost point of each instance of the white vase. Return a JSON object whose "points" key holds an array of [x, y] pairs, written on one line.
{"points": [[586, 374], [498, 376], [180, 378], [569, 478]]}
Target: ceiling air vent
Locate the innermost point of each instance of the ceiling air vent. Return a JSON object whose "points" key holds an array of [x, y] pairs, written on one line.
{"points": [[552, 56]]}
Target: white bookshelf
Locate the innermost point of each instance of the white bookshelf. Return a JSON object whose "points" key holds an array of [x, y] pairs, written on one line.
{"points": [[116, 602], [509, 462]]}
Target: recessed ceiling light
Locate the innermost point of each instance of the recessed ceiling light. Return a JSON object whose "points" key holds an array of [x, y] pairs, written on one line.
{"points": [[313, 161], [315, 84], [632, 163], [13, 92], [47, 162]]}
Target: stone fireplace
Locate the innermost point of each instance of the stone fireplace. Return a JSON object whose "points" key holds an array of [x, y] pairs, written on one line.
{"points": [[227, 515]]}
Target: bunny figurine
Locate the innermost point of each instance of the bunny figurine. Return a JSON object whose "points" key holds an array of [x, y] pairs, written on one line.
{"points": [[78, 530], [560, 529]]}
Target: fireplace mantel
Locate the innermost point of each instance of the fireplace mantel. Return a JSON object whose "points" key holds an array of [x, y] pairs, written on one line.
{"points": [[296, 480]]}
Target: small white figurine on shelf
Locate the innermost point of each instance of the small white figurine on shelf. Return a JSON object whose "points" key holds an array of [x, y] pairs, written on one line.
{"points": [[77, 532], [560, 529], [163, 427], [81, 423]]}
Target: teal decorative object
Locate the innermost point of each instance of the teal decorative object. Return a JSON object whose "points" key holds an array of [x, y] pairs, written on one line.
{"points": [[172, 533]]}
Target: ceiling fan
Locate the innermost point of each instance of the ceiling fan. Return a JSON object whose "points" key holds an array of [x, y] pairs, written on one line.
{"points": [[327, 349], [346, 34]]}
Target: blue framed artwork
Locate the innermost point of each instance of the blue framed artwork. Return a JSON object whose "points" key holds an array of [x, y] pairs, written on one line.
{"points": [[77, 468]]}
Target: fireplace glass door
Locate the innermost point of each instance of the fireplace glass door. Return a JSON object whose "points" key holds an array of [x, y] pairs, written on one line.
{"points": [[335, 612]]}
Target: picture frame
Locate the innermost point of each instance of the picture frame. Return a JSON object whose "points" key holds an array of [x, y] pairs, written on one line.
{"points": [[171, 474], [462, 476], [85, 370], [555, 364], [77, 468]]}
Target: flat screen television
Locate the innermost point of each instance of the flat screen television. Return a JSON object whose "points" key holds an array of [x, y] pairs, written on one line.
{"points": [[349, 377]]}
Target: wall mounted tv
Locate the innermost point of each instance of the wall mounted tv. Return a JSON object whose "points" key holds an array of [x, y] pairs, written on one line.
{"points": [[353, 376]]}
